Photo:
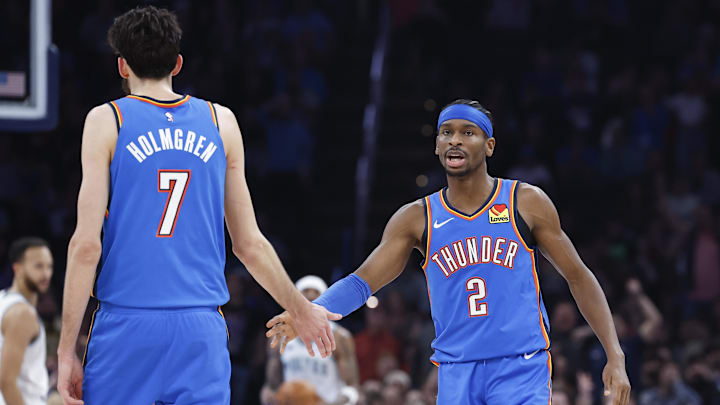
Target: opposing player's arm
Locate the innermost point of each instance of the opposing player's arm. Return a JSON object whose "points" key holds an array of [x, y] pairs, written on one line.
{"points": [[274, 370], [539, 212], [19, 328], [345, 357], [84, 250], [251, 246]]}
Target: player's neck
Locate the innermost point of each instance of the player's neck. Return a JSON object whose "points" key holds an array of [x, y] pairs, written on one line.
{"points": [[468, 192], [160, 89], [20, 287]]}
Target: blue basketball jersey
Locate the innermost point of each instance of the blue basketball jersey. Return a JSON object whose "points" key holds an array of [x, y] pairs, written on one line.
{"points": [[164, 237], [482, 281]]}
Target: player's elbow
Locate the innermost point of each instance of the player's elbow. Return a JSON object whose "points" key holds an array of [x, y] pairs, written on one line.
{"points": [[85, 250], [249, 250]]}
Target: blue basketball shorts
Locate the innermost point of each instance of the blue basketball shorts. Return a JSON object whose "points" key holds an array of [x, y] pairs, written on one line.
{"points": [[512, 380], [161, 356]]}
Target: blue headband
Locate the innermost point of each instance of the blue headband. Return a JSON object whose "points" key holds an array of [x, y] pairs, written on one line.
{"points": [[465, 112]]}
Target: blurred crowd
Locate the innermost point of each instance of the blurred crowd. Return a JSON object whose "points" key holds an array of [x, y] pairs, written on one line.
{"points": [[605, 104]]}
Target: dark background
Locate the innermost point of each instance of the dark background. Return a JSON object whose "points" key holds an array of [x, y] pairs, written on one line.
{"points": [[606, 104]]}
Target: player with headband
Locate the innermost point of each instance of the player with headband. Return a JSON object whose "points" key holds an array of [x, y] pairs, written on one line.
{"points": [[480, 237]]}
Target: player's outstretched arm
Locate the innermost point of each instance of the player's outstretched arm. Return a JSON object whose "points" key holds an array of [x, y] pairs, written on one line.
{"points": [[254, 250], [402, 233], [98, 144], [539, 212], [19, 328]]}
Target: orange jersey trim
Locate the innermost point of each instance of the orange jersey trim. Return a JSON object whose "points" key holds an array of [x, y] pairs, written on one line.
{"points": [[166, 105], [549, 364], [470, 218], [226, 327], [428, 212], [214, 114], [118, 113], [534, 267], [435, 363], [87, 342]]}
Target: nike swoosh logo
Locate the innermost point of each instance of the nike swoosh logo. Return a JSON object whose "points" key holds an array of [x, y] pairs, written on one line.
{"points": [[530, 356], [437, 225]]}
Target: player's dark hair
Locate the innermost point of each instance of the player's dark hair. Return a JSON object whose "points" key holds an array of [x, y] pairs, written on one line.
{"points": [[474, 104], [149, 39], [19, 247]]}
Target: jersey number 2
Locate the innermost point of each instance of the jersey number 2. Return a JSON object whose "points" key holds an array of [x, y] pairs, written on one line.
{"points": [[477, 285], [175, 182]]}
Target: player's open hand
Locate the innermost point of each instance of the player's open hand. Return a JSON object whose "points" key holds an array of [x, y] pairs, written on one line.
{"points": [[70, 379], [311, 326], [616, 382]]}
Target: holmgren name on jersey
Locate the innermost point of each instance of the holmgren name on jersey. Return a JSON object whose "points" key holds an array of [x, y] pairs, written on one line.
{"points": [[179, 139]]}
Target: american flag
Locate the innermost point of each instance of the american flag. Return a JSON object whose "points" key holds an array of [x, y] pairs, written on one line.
{"points": [[12, 84]]}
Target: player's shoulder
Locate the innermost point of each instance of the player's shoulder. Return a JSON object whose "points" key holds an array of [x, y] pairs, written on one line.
{"points": [[223, 112], [227, 121], [530, 195], [412, 211], [101, 112], [535, 205], [21, 317], [101, 128], [229, 129], [408, 220]]}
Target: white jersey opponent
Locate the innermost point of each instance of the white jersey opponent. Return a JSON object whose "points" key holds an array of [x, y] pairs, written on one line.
{"points": [[33, 378], [321, 373]]}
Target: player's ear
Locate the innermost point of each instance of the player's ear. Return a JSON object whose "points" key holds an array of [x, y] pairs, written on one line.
{"points": [[178, 65], [123, 67], [489, 147], [437, 149], [16, 268]]}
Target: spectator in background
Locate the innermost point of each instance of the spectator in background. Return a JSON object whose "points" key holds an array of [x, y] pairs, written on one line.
{"points": [[702, 377], [650, 120], [564, 320], [690, 108], [704, 257], [531, 170], [308, 22], [374, 343], [670, 389], [289, 141], [398, 379]]}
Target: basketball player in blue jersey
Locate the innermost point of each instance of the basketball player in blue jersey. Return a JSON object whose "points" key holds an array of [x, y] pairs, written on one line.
{"points": [[162, 173], [480, 236]]}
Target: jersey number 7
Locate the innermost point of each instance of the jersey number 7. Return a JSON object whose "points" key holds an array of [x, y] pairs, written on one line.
{"points": [[175, 182]]}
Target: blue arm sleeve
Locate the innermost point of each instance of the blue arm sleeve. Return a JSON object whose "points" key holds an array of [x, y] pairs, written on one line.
{"points": [[346, 295]]}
